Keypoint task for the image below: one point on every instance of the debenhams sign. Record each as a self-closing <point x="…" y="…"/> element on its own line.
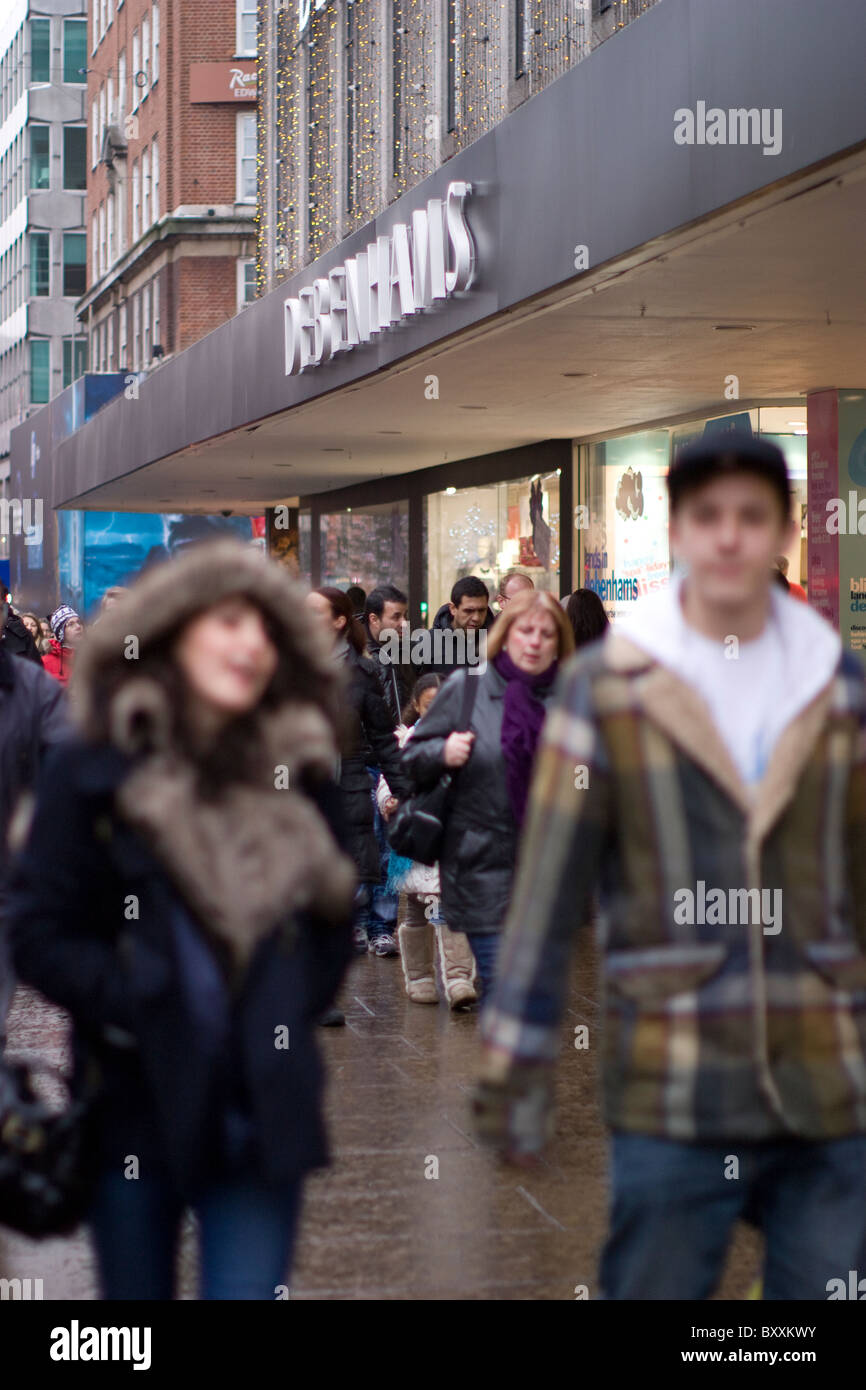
<point x="395" y="277"/>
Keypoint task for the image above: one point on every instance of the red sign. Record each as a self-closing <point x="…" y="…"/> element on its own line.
<point x="211" y="82"/>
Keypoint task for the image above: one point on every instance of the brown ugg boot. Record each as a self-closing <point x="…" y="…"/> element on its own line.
<point x="457" y="964"/>
<point x="416" y="956"/>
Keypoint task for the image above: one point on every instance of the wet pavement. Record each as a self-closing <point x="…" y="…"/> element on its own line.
<point x="375" y="1225"/>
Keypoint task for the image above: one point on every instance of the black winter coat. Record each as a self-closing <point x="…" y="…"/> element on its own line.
<point x="395" y="679"/>
<point x="479" y="853"/>
<point x="449" y="659"/>
<point x="18" y="639"/>
<point x="369" y="742"/>
<point x="122" y="984"/>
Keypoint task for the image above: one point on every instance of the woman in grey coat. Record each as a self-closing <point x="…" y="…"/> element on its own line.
<point x="493" y="764"/>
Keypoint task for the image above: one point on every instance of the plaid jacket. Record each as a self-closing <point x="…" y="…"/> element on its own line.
<point x="711" y="1030"/>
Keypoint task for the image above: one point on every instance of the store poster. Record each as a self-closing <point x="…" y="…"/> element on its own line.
<point x="851" y="509"/>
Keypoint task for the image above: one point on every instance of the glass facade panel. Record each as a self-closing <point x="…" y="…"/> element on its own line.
<point x="490" y="529"/>
<point x="40" y="267"/>
<point x="40" y="50"/>
<point x="75" y="157"/>
<point x="365" y="545"/>
<point x="40" y="149"/>
<point x="40" y="371"/>
<point x="74" y="50"/>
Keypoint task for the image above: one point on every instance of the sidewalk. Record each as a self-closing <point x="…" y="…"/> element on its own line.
<point x="375" y="1227"/>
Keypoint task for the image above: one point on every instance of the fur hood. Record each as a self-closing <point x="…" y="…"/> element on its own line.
<point x="248" y="849"/>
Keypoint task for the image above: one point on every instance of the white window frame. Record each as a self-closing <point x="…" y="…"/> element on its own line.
<point x="121" y="89"/>
<point x="145" y="190"/>
<point x="154" y="52"/>
<point x="145" y="54"/>
<point x="109" y="100"/>
<point x="122" y="340"/>
<point x="242" y="119"/>
<point x="101" y="119"/>
<point x="243" y="7"/>
<point x="94" y="246"/>
<point x="146" y="342"/>
<point x="110" y="220"/>
<point x="154" y="180"/>
<point x="136" y="334"/>
<point x="94" y="133"/>
<point x="94" y="25"/>
<point x="102" y="261"/>
<point x="155" y="292"/>
<point x="110" y="349"/>
<point x="136" y="67"/>
<point x="136" y="201"/>
<point x="242" y="281"/>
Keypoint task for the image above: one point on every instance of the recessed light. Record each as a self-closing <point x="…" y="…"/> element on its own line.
<point x="450" y="491"/>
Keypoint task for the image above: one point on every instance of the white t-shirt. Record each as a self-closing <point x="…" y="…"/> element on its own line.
<point x="743" y="683"/>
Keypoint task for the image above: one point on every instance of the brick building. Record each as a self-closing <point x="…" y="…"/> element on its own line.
<point x="171" y="182"/>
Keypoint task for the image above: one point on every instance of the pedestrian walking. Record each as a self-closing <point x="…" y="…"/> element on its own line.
<point x="705" y="765"/>
<point x="32" y="717"/>
<point x="460" y="628"/>
<point x="586" y="614"/>
<point x="423" y="928"/>
<point x="66" y="628"/>
<point x="368" y="742"/>
<point x="493" y="759"/>
<point x="182" y="894"/>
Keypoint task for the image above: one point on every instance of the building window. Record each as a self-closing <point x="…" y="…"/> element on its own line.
<point x="136" y="334"/>
<point x="94" y="25"/>
<point x="121" y="88"/>
<point x="75" y="50"/>
<point x="94" y="250"/>
<point x="102" y="238"/>
<point x="94" y="134"/>
<point x="154" y="52"/>
<point x="397" y="32"/>
<point x="109" y="230"/>
<point x="246" y="28"/>
<point x="40" y="263"/>
<point x="519" y="37"/>
<point x="74" y="359"/>
<point x="145" y="190"/>
<point x="101" y="118"/>
<point x="40" y="50"/>
<point x="246" y="283"/>
<point x="75" y="157"/>
<point x="136" y="201"/>
<point x="246" y="157"/>
<point x="109" y="351"/>
<point x="145" y="326"/>
<point x="145" y="54"/>
<point x="157" y="341"/>
<point x="154" y="181"/>
<point x="40" y="371"/>
<point x="451" y="65"/>
<point x="103" y="27"/>
<point x="136" y="65"/>
<point x="40" y="161"/>
<point x="74" y="264"/>
<point x="109" y="101"/>
<point x="121" y="337"/>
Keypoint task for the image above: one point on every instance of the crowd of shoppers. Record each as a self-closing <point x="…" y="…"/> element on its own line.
<point x="237" y="783"/>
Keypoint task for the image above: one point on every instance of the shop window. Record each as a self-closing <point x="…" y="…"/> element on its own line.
<point x="40" y="50"/>
<point x="75" y="157"/>
<point x="40" y="156"/>
<point x="486" y="531"/>
<point x="74" y="359"/>
<point x="623" y="529"/>
<point x="74" y="264"/>
<point x="40" y="263"/>
<point x="74" y="50"/>
<point x="40" y="371"/>
<point x="367" y="546"/>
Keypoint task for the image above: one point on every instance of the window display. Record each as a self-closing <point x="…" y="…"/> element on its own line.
<point x="367" y="546"/>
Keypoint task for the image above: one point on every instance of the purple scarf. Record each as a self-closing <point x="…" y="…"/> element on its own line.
<point x="522" y="718"/>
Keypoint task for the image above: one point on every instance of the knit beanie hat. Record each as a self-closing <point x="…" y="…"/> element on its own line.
<point x="58" y="620"/>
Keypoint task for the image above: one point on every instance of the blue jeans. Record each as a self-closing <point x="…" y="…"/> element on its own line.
<point x="380" y="915"/>
<point x="673" y="1210"/>
<point x="485" y="949"/>
<point x="247" y="1235"/>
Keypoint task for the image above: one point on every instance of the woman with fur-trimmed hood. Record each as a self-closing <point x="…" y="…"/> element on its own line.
<point x="182" y="894"/>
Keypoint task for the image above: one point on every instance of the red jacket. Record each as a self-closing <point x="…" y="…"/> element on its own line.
<point x="58" y="661"/>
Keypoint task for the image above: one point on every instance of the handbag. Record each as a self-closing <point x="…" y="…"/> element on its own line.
<point x="45" y="1172"/>
<point x="418" y="827"/>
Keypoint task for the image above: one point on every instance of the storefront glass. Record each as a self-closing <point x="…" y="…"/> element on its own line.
<point x="621" y="528"/>
<point x="488" y="530"/>
<point x="367" y="546"/>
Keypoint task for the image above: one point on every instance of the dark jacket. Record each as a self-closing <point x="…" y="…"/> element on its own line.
<point x="480" y="845"/>
<point x="450" y="654"/>
<point x="122" y="982"/>
<point x="18" y="639"/>
<point x="395" y="679"/>
<point x="369" y="741"/>
<point x="32" y="716"/>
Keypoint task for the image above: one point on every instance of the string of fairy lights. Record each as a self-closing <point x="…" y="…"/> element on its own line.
<point x="304" y="80"/>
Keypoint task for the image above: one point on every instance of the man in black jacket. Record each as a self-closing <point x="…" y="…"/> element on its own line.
<point x="385" y="616"/>
<point x="32" y="716"/>
<point x="456" y="630"/>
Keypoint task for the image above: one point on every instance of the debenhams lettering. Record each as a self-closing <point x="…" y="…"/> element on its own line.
<point x="397" y="276"/>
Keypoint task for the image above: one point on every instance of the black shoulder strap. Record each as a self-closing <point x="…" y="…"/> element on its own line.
<point x="470" y="690"/>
